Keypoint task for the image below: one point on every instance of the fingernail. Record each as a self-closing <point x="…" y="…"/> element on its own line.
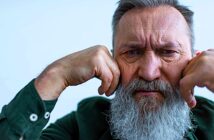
<point x="192" y="103"/>
<point x="100" y="91"/>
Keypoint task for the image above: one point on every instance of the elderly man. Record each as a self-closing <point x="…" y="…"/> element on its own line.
<point x="153" y="71"/>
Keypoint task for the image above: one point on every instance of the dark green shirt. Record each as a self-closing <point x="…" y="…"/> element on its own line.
<point x="26" y="115"/>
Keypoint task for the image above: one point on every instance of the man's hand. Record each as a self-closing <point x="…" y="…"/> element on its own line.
<point x="78" y="68"/>
<point x="199" y="72"/>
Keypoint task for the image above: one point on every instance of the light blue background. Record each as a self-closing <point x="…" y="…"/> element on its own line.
<point x="34" y="33"/>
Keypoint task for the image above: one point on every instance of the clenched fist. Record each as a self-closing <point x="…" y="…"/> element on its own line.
<point x="199" y="72"/>
<point x="76" y="69"/>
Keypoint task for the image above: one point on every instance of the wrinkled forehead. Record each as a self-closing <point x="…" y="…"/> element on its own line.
<point x="161" y="18"/>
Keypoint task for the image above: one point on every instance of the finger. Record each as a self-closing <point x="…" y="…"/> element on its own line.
<point x="191" y="65"/>
<point x="106" y="76"/>
<point x="116" y="75"/>
<point x="187" y="84"/>
<point x="111" y="63"/>
<point x="193" y="102"/>
<point x="211" y="50"/>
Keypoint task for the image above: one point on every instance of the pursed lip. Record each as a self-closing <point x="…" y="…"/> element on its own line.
<point x="142" y="92"/>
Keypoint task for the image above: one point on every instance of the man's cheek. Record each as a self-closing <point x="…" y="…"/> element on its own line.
<point x="175" y="72"/>
<point x="127" y="75"/>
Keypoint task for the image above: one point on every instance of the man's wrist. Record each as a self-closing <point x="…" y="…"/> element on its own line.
<point x="48" y="84"/>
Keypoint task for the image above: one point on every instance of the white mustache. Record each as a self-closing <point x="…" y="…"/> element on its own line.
<point x="157" y="85"/>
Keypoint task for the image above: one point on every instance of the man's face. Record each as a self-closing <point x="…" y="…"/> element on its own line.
<point x="152" y="44"/>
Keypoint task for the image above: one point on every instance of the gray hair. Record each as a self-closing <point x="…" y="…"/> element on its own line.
<point x="149" y="118"/>
<point x="126" y="5"/>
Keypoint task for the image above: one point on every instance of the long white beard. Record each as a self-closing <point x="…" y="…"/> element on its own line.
<point x="149" y="119"/>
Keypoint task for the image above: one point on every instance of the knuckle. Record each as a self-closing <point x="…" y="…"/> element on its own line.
<point x="115" y="68"/>
<point x="96" y="58"/>
<point x="211" y="50"/>
<point x="204" y="59"/>
<point x="101" y="48"/>
<point x="182" y="84"/>
<point x="100" y="52"/>
<point x="117" y="72"/>
<point x="205" y="53"/>
<point x="108" y="80"/>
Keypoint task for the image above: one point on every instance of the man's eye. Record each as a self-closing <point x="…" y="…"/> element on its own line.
<point x="168" y="52"/>
<point x="133" y="53"/>
<point x="169" y="55"/>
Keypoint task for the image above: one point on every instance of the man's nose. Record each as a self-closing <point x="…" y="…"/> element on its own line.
<point x="149" y="67"/>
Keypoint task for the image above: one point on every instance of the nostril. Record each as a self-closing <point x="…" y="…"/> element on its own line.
<point x="149" y="67"/>
<point x="149" y="74"/>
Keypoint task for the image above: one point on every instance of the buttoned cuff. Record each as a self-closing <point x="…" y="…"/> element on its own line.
<point x="27" y="110"/>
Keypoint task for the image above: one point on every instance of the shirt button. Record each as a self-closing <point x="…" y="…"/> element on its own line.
<point x="33" y="117"/>
<point x="47" y="115"/>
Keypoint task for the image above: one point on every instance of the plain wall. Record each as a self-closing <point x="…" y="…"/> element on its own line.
<point x="35" y="33"/>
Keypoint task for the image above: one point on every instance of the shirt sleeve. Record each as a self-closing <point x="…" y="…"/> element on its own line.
<point x="25" y="116"/>
<point x="203" y="119"/>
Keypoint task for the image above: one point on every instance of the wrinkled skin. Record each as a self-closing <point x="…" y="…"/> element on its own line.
<point x="150" y="44"/>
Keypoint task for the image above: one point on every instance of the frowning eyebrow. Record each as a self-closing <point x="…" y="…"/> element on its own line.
<point x="169" y="45"/>
<point x="133" y="45"/>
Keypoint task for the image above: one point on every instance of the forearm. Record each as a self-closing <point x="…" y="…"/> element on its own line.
<point x="25" y="116"/>
<point x="49" y="84"/>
